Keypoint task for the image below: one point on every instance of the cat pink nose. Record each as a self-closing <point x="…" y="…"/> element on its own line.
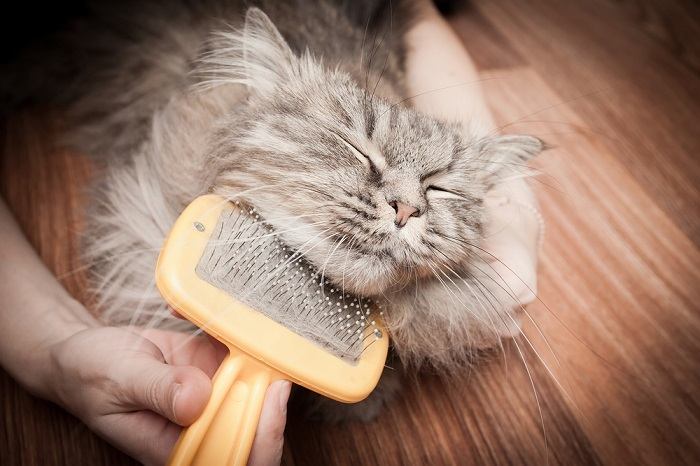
<point x="403" y="213"/>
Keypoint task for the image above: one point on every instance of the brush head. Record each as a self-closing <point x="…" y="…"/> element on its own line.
<point x="246" y="258"/>
<point x="226" y="270"/>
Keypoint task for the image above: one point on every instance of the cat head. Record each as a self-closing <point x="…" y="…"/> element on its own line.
<point x="374" y="194"/>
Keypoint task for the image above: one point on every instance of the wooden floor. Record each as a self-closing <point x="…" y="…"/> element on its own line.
<point x="614" y="87"/>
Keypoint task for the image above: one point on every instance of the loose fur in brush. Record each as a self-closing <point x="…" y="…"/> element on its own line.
<point x="297" y="108"/>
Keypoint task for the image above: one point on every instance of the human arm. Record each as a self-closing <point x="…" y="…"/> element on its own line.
<point x="134" y="388"/>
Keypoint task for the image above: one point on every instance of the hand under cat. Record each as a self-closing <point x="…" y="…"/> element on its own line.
<point x="512" y="237"/>
<point x="137" y="389"/>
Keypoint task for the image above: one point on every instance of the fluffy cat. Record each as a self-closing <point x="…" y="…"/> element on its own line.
<point x="298" y="108"/>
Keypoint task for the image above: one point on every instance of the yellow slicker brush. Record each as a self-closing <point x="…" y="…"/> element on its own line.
<point x="224" y="269"/>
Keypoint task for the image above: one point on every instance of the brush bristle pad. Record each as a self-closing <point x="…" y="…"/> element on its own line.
<point x="246" y="258"/>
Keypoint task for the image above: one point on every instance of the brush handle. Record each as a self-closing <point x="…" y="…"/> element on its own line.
<point x="224" y="433"/>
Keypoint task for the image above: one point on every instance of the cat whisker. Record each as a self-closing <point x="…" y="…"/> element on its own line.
<point x="437" y="89"/>
<point x="537" y="399"/>
<point x="267" y="235"/>
<point x="476" y="296"/>
<point x="275" y="186"/>
<point x="191" y="336"/>
<point x="330" y="254"/>
<point x="345" y="264"/>
<point x="466" y="308"/>
<point x="509" y="291"/>
<point x="527" y="369"/>
<point x="157" y="318"/>
<point x="483" y="290"/>
<point x="299" y="252"/>
<point x="511" y="294"/>
<point x="544" y="338"/>
<point x="564" y="391"/>
<point x="444" y="285"/>
<point x="362" y="56"/>
<point x="386" y="58"/>
<point x="584" y="95"/>
<point x="139" y="308"/>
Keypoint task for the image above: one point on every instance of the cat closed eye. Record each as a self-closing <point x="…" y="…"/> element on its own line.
<point x="441" y="193"/>
<point x="361" y="156"/>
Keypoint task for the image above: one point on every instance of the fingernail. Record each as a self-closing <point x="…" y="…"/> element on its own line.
<point x="283" y="393"/>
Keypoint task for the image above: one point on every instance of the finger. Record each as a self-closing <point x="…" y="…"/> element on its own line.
<point x="185" y="349"/>
<point x="178" y="393"/>
<point x="143" y="435"/>
<point x="269" y="438"/>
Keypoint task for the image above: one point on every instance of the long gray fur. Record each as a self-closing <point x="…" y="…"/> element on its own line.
<point x="263" y="105"/>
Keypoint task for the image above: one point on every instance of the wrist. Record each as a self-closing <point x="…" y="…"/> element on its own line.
<point x="39" y="371"/>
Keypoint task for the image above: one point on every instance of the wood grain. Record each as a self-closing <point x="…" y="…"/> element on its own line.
<point x="613" y="86"/>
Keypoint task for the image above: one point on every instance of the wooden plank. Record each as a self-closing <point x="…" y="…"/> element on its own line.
<point x="625" y="85"/>
<point x="619" y="278"/>
<point x="489" y="49"/>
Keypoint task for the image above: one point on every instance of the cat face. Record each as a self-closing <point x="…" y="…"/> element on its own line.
<point x="375" y="195"/>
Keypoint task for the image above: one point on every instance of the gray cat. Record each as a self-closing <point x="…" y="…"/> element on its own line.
<point x="298" y="108"/>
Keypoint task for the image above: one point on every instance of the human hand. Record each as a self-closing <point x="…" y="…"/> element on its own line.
<point x="512" y="237"/>
<point x="136" y="388"/>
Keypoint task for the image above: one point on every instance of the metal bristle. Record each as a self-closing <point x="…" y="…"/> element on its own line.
<point x="246" y="259"/>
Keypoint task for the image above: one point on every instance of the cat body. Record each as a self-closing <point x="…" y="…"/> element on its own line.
<point x="300" y="109"/>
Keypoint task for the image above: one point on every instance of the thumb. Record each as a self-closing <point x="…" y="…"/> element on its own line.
<point x="178" y="393"/>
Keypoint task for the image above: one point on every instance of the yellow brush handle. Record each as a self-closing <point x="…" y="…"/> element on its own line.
<point x="224" y="433"/>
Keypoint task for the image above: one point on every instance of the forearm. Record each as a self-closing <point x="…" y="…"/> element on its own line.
<point x="36" y="310"/>
<point x="441" y="75"/>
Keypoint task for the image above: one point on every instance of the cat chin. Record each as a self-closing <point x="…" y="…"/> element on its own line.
<point x="370" y="275"/>
<point x="364" y="276"/>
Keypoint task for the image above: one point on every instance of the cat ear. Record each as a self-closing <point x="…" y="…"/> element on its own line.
<point x="266" y="55"/>
<point x="508" y="154"/>
<point x="255" y="55"/>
